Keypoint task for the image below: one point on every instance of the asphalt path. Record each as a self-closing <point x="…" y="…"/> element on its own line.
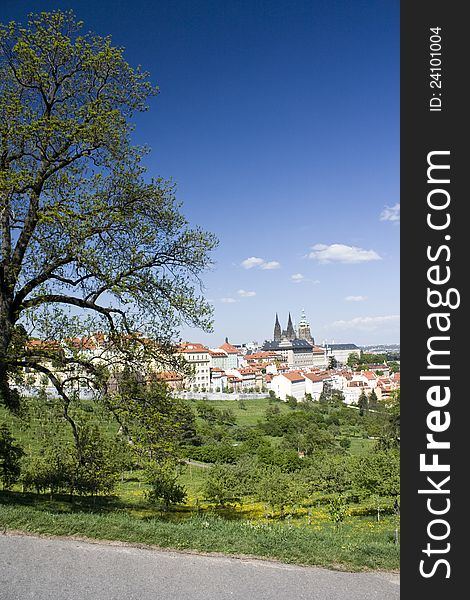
<point x="42" y="568"/>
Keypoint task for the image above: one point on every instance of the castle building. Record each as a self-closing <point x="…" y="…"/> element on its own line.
<point x="296" y="348"/>
<point x="303" y="332"/>
<point x="290" y="334"/>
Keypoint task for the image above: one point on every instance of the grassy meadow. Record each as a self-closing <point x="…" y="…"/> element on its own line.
<point x="303" y="531"/>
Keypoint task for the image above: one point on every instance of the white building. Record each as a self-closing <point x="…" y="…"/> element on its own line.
<point x="218" y="380"/>
<point x="341" y="351"/>
<point x="367" y="378"/>
<point x="234" y="355"/>
<point x="313" y="384"/>
<point x="289" y="384"/>
<point x="353" y="390"/>
<point x="199" y="358"/>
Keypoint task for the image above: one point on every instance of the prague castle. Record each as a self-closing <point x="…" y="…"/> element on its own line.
<point x="295" y="346"/>
<point x="290" y="334"/>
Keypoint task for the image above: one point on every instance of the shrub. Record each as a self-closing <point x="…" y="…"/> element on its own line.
<point x="10" y="456"/>
<point x="163" y="481"/>
<point x="279" y="489"/>
<point x="222" y="484"/>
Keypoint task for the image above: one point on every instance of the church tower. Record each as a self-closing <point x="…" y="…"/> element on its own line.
<point x="290" y="329"/>
<point x="277" y="330"/>
<point x="304" y="329"/>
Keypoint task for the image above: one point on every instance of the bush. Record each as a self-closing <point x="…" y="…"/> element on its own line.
<point x="291" y="401"/>
<point x="95" y="466"/>
<point x="90" y="468"/>
<point x="51" y="470"/>
<point x="163" y="481"/>
<point x="337" y="509"/>
<point x="279" y="489"/>
<point x="221" y="452"/>
<point x="377" y="473"/>
<point x="222" y="484"/>
<point x="10" y="456"/>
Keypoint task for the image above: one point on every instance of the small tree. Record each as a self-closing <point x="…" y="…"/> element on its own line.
<point x="10" y="457"/>
<point x="337" y="509"/>
<point x="152" y="419"/>
<point x="272" y="411"/>
<point x="353" y="360"/>
<point x="390" y="434"/>
<point x="373" y="400"/>
<point x="332" y="363"/>
<point x="291" y="401"/>
<point x="164" y="485"/>
<point x="96" y="469"/>
<point x="363" y="403"/>
<point x="52" y="469"/>
<point x="377" y="473"/>
<point x="279" y="489"/>
<point x="323" y="399"/>
<point x="221" y="485"/>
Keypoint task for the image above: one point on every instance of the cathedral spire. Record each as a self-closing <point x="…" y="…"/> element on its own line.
<point x="290" y="329"/>
<point x="277" y="330"/>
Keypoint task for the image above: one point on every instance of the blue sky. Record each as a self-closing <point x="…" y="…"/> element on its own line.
<point x="279" y="122"/>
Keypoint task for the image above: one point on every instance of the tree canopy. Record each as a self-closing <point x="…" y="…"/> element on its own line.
<point x="89" y="241"/>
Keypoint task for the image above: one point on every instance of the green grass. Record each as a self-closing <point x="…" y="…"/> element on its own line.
<point x="348" y="547"/>
<point x="360" y="446"/>
<point x="255" y="410"/>
<point x="307" y="536"/>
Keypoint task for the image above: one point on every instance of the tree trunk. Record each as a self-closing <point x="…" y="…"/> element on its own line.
<point x="8" y="398"/>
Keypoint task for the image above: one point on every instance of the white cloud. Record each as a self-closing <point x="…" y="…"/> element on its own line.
<point x="251" y="262"/>
<point x="342" y="254"/>
<point x="273" y="264"/>
<point x="228" y="300"/>
<point x="299" y="278"/>
<point x="260" y="263"/>
<point x="246" y="294"/>
<point x="391" y="213"/>
<point x="355" y="298"/>
<point x="367" y="323"/>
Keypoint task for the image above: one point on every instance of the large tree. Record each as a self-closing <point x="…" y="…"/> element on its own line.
<point x="89" y="241"/>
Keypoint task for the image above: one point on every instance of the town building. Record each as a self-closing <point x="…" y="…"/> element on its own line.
<point x="234" y="355"/>
<point x="298" y="354"/>
<point x="341" y="352"/>
<point x="289" y="384"/>
<point x="199" y="358"/>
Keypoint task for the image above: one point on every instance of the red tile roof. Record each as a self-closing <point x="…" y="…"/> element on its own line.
<point x="42" y="345"/>
<point x="314" y="378"/>
<point x="260" y="355"/>
<point x="229" y="348"/>
<point x="294" y="377"/>
<point x="169" y="376"/>
<point x="186" y="347"/>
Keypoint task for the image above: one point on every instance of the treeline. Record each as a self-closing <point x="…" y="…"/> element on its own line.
<point x="87" y="453"/>
<point x="324" y="477"/>
<point x="292" y="457"/>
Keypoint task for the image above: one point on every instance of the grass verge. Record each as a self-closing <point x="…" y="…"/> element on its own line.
<point x="344" y="548"/>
